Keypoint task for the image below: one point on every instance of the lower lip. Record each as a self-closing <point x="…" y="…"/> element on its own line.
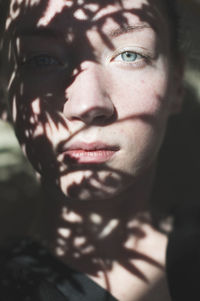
<point x="90" y="156"/>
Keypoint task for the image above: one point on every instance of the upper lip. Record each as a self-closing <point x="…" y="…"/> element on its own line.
<point x="98" y="145"/>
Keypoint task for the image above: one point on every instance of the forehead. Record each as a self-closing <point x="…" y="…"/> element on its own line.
<point x="83" y="14"/>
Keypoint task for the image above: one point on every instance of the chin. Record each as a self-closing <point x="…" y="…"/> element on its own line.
<point x="87" y="186"/>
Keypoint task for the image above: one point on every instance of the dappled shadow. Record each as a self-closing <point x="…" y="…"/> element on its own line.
<point x="37" y="112"/>
<point x="50" y="98"/>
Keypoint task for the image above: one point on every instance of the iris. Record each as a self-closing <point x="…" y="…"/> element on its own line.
<point x="129" y="56"/>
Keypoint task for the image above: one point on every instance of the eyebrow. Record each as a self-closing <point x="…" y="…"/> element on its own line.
<point x="126" y="29"/>
<point x="53" y="33"/>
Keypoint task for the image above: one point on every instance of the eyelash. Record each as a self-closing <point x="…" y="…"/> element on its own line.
<point x="41" y="61"/>
<point x="139" y="58"/>
<point x="47" y="61"/>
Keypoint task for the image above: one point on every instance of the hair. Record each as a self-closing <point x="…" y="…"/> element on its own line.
<point x="4" y="6"/>
<point x="171" y="9"/>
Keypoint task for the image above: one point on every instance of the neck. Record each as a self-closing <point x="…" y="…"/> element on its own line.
<point x="85" y="233"/>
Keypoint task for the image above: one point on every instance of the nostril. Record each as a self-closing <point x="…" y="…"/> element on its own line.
<point x="99" y="120"/>
<point x="104" y="119"/>
<point x="88" y="102"/>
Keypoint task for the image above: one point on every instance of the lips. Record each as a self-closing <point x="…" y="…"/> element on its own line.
<point x="86" y="153"/>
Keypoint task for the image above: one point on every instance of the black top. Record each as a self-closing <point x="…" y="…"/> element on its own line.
<point x="183" y="255"/>
<point x="29" y="273"/>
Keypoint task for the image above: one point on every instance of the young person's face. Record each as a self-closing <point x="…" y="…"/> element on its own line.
<point x="90" y="86"/>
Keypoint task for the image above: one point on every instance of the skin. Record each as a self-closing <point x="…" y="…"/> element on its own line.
<point x="78" y="84"/>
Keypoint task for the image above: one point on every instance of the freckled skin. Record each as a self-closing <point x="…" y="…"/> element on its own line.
<point x="102" y="73"/>
<point x="135" y="98"/>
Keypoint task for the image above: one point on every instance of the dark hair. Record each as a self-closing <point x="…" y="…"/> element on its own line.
<point x="171" y="9"/>
<point x="4" y="5"/>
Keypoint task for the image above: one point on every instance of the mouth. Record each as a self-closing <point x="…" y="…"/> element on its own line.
<point x="90" y="153"/>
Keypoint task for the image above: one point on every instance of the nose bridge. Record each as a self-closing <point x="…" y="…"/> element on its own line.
<point x="92" y="83"/>
<point x="88" y="96"/>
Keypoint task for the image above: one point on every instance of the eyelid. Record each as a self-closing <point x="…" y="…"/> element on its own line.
<point x="32" y="61"/>
<point x="38" y="55"/>
<point x="137" y="50"/>
<point x="138" y="57"/>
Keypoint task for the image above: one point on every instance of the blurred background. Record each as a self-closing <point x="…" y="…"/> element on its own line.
<point x="178" y="172"/>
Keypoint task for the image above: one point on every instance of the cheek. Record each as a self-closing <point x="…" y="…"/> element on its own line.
<point x="35" y="100"/>
<point x="141" y="139"/>
<point x="36" y="119"/>
<point x="31" y="123"/>
<point x="140" y="93"/>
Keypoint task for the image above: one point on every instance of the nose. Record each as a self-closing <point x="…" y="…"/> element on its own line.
<point x="88" y="99"/>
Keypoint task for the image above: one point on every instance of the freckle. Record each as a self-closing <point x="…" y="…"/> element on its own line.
<point x="122" y="131"/>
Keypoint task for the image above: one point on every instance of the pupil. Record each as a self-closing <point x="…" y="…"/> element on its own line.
<point x="129" y="56"/>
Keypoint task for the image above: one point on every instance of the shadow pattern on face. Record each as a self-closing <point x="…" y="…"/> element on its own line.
<point x="91" y="255"/>
<point x="51" y="98"/>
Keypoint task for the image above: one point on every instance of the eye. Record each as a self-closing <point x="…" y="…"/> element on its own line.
<point x="128" y="56"/>
<point x="41" y="61"/>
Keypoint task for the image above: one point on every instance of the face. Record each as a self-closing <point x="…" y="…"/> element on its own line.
<point x="90" y="90"/>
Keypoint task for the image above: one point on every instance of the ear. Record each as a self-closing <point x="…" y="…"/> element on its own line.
<point x="178" y="87"/>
